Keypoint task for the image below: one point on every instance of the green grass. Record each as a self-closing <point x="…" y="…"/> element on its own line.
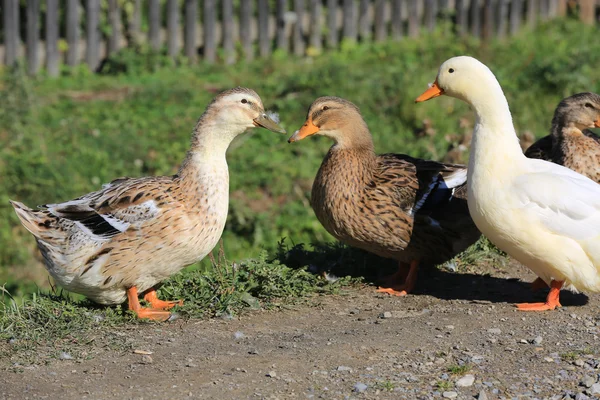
<point x="444" y="385"/>
<point x="459" y="369"/>
<point x="60" y="138"/>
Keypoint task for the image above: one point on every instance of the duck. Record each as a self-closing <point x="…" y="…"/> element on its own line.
<point x="570" y="143"/>
<point x="407" y="209"/>
<point x="121" y="241"/>
<point x="544" y="215"/>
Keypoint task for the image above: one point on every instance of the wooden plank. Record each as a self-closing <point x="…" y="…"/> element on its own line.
<point x="431" y="10"/>
<point x="552" y="8"/>
<point x="364" y="25"/>
<point x="462" y="21"/>
<point x="92" y="49"/>
<point x="516" y="15"/>
<point x="561" y="10"/>
<point x="380" y="27"/>
<point x="210" y="25"/>
<point x="72" y="23"/>
<point x="245" y="29"/>
<point x="332" y="26"/>
<point x="587" y="11"/>
<point x="502" y="18"/>
<point x="134" y="26"/>
<point x="10" y="9"/>
<point x="413" y="19"/>
<point x="52" y="53"/>
<point x="488" y="19"/>
<point x="264" y="43"/>
<point x="282" y="40"/>
<point x="33" y="36"/>
<point x="154" y="24"/>
<point x="475" y="18"/>
<point x="544" y="8"/>
<point x="532" y="12"/>
<point x="114" y="20"/>
<point x="349" y="13"/>
<point x="227" y="31"/>
<point x="298" y="33"/>
<point x="191" y="24"/>
<point x="315" y="24"/>
<point x="172" y="28"/>
<point x="396" y="22"/>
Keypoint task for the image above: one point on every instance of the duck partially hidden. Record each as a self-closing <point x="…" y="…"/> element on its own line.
<point x="570" y="143"/>
<point x="544" y="215"/>
<point x="122" y="240"/>
<point x="392" y="205"/>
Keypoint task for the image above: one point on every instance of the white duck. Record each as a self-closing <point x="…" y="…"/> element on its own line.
<point x="544" y="215"/>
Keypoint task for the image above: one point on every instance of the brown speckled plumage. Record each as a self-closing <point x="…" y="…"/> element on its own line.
<point x="136" y="232"/>
<point x="392" y="205"/>
<point x="570" y="143"/>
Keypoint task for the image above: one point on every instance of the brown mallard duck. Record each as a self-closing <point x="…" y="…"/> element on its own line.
<point x="393" y="205"/>
<point x="570" y="143"/>
<point x="122" y="240"/>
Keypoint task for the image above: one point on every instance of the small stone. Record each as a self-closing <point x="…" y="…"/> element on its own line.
<point x="581" y="396"/>
<point x="523" y="341"/>
<point x="588" y="381"/>
<point x="450" y="395"/>
<point x="594" y="389"/>
<point x="482" y="395"/>
<point x="344" y="368"/>
<point x="548" y="359"/>
<point x="385" y="315"/>
<point x="449" y="327"/>
<point x="494" y="331"/>
<point x="65" y="356"/>
<point x="190" y="364"/>
<point x="537" y="340"/>
<point x="146" y="359"/>
<point x="239" y="335"/>
<point x="579" y="362"/>
<point x="465" y="381"/>
<point x="360" y="387"/>
<point x="271" y="374"/>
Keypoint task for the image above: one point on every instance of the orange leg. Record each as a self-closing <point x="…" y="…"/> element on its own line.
<point x="156" y="303"/>
<point x="397" y="289"/>
<point x="150" y="313"/>
<point x="538" y="284"/>
<point x="551" y="301"/>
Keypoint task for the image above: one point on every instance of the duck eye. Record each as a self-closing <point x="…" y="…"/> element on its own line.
<point x="451" y="70"/>
<point x="244" y="101"/>
<point x="325" y="108"/>
<point x="589" y="105"/>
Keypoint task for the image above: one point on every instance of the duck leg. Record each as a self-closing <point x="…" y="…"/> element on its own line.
<point x="551" y="301"/>
<point x="150" y="313"/>
<point x="158" y="304"/>
<point x="402" y="289"/>
<point x="538" y="284"/>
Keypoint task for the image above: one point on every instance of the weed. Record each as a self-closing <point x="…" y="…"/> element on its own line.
<point x="459" y="369"/>
<point x="444" y="385"/>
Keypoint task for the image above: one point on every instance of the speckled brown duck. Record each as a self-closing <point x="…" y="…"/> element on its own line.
<point x="570" y="143"/>
<point x="393" y="205"/>
<point x="124" y="239"/>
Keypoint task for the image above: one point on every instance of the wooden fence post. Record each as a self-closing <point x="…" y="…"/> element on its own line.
<point x="298" y="33"/>
<point x="430" y="14"/>
<point x="380" y="28"/>
<point x="461" y="17"/>
<point x="191" y="21"/>
<point x="516" y="15"/>
<point x="210" y="15"/>
<point x="587" y="11"/>
<point x="532" y="12"/>
<point x="33" y="36"/>
<point x="315" y="25"/>
<point x="332" y="37"/>
<point x="282" y="40"/>
<point x="10" y="9"/>
<point x="72" y="32"/>
<point x="413" y="19"/>
<point x="501" y="18"/>
<point x="154" y="24"/>
<point x="92" y="34"/>
<point x="488" y="19"/>
<point x="364" y="27"/>
<point x="264" y="43"/>
<point x="114" y="19"/>
<point x="227" y="31"/>
<point x="172" y="28"/>
<point x="349" y="28"/>
<point x="475" y="19"/>
<point x="52" y="53"/>
<point x="134" y="25"/>
<point x="246" y="29"/>
<point x="396" y="19"/>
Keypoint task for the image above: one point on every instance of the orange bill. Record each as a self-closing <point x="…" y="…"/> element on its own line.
<point x="597" y="123"/>
<point x="307" y="129"/>
<point x="433" y="91"/>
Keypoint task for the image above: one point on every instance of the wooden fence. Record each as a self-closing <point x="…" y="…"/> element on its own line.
<point x="87" y="31"/>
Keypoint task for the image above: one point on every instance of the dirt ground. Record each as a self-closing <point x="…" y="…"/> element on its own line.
<point x="363" y="345"/>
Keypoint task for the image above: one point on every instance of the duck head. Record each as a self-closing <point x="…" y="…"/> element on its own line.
<point x="581" y="110"/>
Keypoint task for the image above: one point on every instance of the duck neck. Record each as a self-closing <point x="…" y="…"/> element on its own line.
<point x="495" y="145"/>
<point x="206" y="156"/>
<point x="352" y="154"/>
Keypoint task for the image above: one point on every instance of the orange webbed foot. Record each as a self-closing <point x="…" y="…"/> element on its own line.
<point x="151" y="313"/>
<point x="551" y="302"/>
<point x="399" y="291"/>
<point x="396" y="289"/>
<point x="147" y="313"/>
<point x="158" y="304"/>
